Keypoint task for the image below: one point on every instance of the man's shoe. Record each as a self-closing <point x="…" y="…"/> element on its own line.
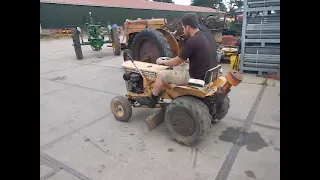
<point x="147" y="101"/>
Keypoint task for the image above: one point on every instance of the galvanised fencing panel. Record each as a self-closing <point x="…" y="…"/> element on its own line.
<point x="261" y="36"/>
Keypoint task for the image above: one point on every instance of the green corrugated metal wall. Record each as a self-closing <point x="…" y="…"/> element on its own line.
<point x="60" y="15"/>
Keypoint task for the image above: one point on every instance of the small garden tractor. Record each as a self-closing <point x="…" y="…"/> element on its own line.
<point x="95" y="38"/>
<point x="188" y="110"/>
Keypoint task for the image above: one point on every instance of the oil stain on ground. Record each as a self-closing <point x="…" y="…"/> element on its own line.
<point x="253" y="141"/>
<point x="276" y="148"/>
<point x="101" y="168"/>
<point x="250" y="174"/>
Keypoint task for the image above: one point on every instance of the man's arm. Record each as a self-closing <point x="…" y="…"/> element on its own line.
<point x="173" y="62"/>
<point x="187" y="50"/>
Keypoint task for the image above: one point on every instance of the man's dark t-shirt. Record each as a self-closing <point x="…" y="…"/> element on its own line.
<point x="201" y="50"/>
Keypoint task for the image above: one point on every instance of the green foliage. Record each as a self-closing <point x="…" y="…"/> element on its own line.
<point x="236" y="3"/>
<point x="216" y="4"/>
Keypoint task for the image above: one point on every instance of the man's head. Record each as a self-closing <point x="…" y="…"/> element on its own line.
<point x="190" y="23"/>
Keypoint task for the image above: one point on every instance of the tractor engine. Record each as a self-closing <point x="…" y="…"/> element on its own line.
<point x="134" y="82"/>
<point x="94" y="32"/>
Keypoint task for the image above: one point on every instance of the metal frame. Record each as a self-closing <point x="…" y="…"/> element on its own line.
<point x="260" y="44"/>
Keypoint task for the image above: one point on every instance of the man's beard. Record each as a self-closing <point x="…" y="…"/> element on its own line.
<point x="187" y="35"/>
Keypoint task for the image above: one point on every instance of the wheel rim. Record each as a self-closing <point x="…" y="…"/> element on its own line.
<point x="183" y="123"/>
<point x="118" y="110"/>
<point x="147" y="51"/>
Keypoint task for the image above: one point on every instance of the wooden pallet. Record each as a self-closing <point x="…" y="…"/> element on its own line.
<point x="63" y="32"/>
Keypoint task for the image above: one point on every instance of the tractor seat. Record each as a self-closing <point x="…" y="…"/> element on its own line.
<point x="210" y="76"/>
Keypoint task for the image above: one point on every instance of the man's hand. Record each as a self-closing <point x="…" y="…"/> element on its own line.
<point x="169" y="61"/>
<point x="161" y="60"/>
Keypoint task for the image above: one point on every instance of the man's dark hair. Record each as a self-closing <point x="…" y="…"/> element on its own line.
<point x="190" y="19"/>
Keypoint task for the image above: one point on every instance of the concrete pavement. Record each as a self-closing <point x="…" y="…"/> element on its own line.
<point x="80" y="139"/>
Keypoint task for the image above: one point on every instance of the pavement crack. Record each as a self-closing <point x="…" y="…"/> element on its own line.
<point x="195" y="158"/>
<point x="206" y="153"/>
<point x="266" y="126"/>
<point x="96" y="145"/>
<point x="50" y="174"/>
<point x="55" y="91"/>
<point x="79" y="86"/>
<point x="51" y="143"/>
<point x="233" y="153"/>
<point x="106" y="66"/>
<point x="255" y="123"/>
<point x="108" y="75"/>
<point x="63" y="166"/>
<point x="59" y="78"/>
<point x="62" y="69"/>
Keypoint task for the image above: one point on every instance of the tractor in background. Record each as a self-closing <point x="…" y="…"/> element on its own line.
<point x="96" y="38"/>
<point x="148" y="39"/>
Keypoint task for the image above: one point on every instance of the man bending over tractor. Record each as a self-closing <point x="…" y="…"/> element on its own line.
<point x="200" y="49"/>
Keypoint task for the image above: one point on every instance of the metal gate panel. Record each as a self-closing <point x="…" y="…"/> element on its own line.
<point x="260" y="43"/>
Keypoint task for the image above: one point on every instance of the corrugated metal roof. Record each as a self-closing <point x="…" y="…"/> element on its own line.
<point x="134" y="4"/>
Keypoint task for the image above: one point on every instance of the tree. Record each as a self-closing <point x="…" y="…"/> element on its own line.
<point x="216" y="4"/>
<point x="236" y="3"/>
<point x="165" y="1"/>
<point x="222" y="7"/>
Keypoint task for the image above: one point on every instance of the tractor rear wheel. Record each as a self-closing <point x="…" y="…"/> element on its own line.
<point x="76" y="43"/>
<point x="149" y="44"/>
<point x="204" y="29"/>
<point x="116" y="45"/>
<point x="121" y="108"/>
<point x="188" y="120"/>
<point x="223" y="108"/>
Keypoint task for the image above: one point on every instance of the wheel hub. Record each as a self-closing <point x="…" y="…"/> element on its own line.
<point x="119" y="111"/>
<point x="147" y="47"/>
<point x="234" y="78"/>
<point x="237" y="75"/>
<point x="183" y="123"/>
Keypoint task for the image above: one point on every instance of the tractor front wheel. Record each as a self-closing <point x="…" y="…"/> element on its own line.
<point x="116" y="45"/>
<point x="121" y="108"/>
<point x="76" y="43"/>
<point x="188" y="120"/>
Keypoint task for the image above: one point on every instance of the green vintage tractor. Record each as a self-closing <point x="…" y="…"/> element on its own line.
<point x="95" y="38"/>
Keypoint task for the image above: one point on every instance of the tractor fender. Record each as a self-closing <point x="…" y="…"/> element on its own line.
<point x="178" y="91"/>
<point x="221" y="81"/>
<point x="174" y="46"/>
